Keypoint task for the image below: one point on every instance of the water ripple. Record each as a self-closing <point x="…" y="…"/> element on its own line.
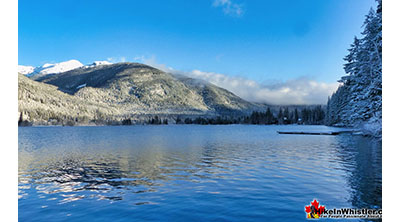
<point x="231" y="173"/>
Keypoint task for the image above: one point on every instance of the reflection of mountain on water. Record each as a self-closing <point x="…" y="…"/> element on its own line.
<point x="75" y="175"/>
<point x="362" y="157"/>
<point x="240" y="170"/>
<point x="96" y="178"/>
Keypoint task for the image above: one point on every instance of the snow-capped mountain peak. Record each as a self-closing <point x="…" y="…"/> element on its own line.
<point x="58" y="67"/>
<point x="25" y="70"/>
<point x="47" y="65"/>
<point x="99" y="63"/>
<point x="49" y="68"/>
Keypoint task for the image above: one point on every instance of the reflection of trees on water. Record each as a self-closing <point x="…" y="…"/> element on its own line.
<point x="100" y="175"/>
<point x="362" y="159"/>
<point x="105" y="175"/>
<point x="108" y="170"/>
<point x="106" y="178"/>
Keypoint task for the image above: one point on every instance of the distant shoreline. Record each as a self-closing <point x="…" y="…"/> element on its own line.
<point x="359" y="131"/>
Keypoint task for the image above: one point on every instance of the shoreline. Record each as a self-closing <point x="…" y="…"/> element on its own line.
<point x="356" y="131"/>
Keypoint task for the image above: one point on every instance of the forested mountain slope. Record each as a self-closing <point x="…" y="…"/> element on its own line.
<point x="113" y="93"/>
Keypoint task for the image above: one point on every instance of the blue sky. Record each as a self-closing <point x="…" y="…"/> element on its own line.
<point x="260" y="40"/>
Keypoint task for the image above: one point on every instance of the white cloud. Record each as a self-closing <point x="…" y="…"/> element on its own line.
<point x="302" y="90"/>
<point x="229" y="7"/>
<point x="151" y="61"/>
<point x="299" y="91"/>
<point x="116" y="59"/>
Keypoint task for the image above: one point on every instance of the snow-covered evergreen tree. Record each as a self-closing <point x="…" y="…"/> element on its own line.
<point x="358" y="100"/>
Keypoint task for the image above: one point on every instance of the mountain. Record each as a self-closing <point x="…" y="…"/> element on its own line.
<point x="49" y="68"/>
<point x="46" y="69"/>
<point x="99" y="63"/>
<point x="25" y="70"/>
<point x="44" y="104"/>
<point x="116" y="92"/>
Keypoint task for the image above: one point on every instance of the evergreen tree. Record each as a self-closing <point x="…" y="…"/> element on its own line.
<point x="286" y="116"/>
<point x="296" y="116"/>
<point x="280" y="116"/>
<point x="359" y="97"/>
<point x="269" y="116"/>
<point x="178" y="120"/>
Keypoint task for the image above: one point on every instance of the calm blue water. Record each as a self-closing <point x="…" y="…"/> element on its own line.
<point x="191" y="173"/>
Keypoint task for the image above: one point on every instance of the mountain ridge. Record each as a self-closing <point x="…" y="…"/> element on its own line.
<point x="55" y="68"/>
<point x="121" y="91"/>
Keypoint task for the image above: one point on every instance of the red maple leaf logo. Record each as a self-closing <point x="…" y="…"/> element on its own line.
<point x="315" y="208"/>
<point x="308" y="209"/>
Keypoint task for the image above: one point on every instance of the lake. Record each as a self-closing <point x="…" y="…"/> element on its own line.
<point x="192" y="173"/>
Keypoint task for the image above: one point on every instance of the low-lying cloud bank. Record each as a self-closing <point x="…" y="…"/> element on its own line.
<point x="299" y="91"/>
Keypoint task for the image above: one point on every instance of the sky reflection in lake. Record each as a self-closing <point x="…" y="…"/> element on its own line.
<point x="181" y="173"/>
